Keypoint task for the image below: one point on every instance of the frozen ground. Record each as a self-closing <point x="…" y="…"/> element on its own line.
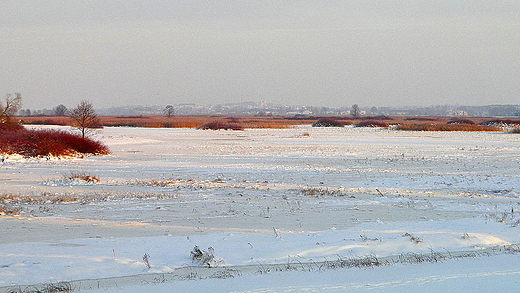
<point x="417" y="211"/>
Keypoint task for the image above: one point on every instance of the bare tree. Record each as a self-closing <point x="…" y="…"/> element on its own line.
<point x="355" y="110"/>
<point x="84" y="118"/>
<point x="169" y="111"/>
<point x="13" y="103"/>
<point x="60" y="110"/>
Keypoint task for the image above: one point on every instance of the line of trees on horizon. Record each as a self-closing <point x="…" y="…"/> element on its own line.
<point x="264" y="109"/>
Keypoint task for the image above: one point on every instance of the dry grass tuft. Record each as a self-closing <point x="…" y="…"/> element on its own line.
<point x="62" y="287"/>
<point x="6" y="210"/>
<point x="39" y="199"/>
<point x="10" y="199"/>
<point x="81" y="176"/>
<point x="413" y="238"/>
<point x="319" y="191"/>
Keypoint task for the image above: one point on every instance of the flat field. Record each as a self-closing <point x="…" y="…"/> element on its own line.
<point x="284" y="210"/>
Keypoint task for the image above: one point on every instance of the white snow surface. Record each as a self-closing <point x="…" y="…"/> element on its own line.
<point x="293" y="198"/>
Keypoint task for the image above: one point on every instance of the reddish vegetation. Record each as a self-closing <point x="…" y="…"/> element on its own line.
<point x="243" y="121"/>
<point x="16" y="139"/>
<point x="181" y="121"/>
<point x="461" y="121"/>
<point x="328" y="122"/>
<point x="371" y="123"/>
<point x="220" y="125"/>
<point x="446" y="127"/>
<point x="421" y="119"/>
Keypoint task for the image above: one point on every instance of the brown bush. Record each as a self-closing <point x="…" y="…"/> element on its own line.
<point x="371" y="123"/>
<point x="220" y="125"/>
<point x="81" y="176"/>
<point x="37" y="143"/>
<point x="328" y="122"/>
<point x="461" y="121"/>
<point x="47" y="121"/>
<point x="420" y="119"/>
<point x="381" y="117"/>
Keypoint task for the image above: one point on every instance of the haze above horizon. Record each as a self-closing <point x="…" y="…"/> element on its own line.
<point x="331" y="53"/>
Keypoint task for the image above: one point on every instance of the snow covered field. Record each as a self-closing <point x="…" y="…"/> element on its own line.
<point x="282" y="209"/>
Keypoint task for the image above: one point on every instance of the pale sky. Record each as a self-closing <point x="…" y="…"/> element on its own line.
<point x="309" y="52"/>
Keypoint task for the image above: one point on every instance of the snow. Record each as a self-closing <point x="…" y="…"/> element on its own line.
<point x="380" y="193"/>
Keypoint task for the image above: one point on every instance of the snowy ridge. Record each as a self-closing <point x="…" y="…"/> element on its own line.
<point x="225" y="272"/>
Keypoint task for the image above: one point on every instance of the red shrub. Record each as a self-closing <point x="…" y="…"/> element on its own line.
<point x="219" y="125"/>
<point x="460" y="121"/>
<point x="371" y="123"/>
<point x="381" y="117"/>
<point x="47" y="121"/>
<point x="10" y="127"/>
<point x="328" y="122"/>
<point x="421" y="119"/>
<point x="33" y="143"/>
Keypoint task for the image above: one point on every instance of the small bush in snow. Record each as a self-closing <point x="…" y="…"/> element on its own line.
<point x="328" y="122"/>
<point x="88" y="178"/>
<point x="58" y="287"/>
<point x="45" y="288"/>
<point x="146" y="260"/>
<point x="203" y="257"/>
<point x="413" y="238"/>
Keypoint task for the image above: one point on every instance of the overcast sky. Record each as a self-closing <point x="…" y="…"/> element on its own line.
<point x="310" y="52"/>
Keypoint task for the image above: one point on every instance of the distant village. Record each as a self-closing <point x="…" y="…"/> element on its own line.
<point x="271" y="109"/>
